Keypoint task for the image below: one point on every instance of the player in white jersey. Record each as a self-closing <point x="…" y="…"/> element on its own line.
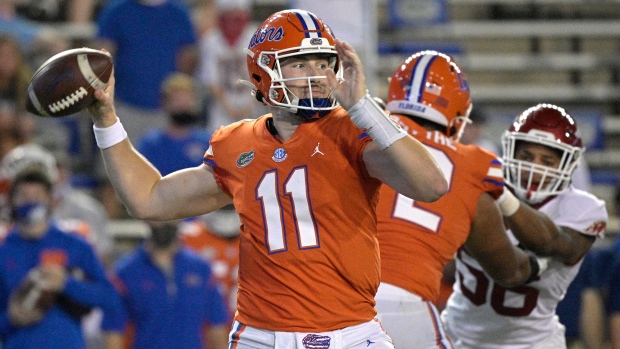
<point x="553" y="219"/>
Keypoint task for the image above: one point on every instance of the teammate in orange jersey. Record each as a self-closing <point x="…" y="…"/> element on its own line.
<point x="429" y="97"/>
<point x="305" y="181"/>
<point x="215" y="237"/>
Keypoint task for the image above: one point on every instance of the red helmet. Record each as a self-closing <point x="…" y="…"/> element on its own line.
<point x="285" y="34"/>
<point x="430" y="85"/>
<point x="551" y="126"/>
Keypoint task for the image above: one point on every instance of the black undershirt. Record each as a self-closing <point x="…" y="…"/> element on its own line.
<point x="271" y="127"/>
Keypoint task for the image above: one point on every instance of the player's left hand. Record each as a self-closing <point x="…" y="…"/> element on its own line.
<point x="353" y="88"/>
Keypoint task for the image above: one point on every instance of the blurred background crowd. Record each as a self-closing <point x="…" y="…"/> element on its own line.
<point x="178" y="64"/>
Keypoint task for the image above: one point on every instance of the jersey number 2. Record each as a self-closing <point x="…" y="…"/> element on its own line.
<point x="405" y="208"/>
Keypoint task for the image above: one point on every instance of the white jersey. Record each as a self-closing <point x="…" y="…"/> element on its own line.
<point x="482" y="314"/>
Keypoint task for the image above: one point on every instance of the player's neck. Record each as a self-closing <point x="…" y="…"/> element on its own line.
<point x="163" y="257"/>
<point x="284" y="124"/>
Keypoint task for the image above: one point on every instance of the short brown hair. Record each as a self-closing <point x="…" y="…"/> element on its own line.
<point x="177" y="81"/>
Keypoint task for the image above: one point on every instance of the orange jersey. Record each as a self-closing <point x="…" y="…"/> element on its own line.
<point x="417" y="239"/>
<point x="309" y="256"/>
<point x="221" y="253"/>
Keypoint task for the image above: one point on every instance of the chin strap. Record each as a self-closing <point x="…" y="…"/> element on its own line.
<point x="309" y="114"/>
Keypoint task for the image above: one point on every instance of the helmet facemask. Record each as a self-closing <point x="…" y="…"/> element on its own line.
<point x="457" y="125"/>
<point x="533" y="183"/>
<point x="281" y="96"/>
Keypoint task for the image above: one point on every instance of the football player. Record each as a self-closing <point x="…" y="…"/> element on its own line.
<point x="429" y="96"/>
<point x="305" y="181"/>
<point x="541" y="150"/>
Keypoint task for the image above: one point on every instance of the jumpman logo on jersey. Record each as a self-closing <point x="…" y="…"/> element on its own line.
<point x="369" y="342"/>
<point x="317" y="151"/>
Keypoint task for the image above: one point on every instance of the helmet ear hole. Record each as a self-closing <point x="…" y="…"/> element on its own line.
<point x="259" y="96"/>
<point x="256" y="77"/>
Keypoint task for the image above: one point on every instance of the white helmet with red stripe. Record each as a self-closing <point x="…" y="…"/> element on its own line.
<point x="552" y="127"/>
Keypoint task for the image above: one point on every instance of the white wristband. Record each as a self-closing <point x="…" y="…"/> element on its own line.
<point x="368" y="115"/>
<point x="109" y="136"/>
<point x="508" y="203"/>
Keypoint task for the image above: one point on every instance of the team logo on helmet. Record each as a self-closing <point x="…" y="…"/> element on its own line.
<point x="271" y="34"/>
<point x="315" y="341"/>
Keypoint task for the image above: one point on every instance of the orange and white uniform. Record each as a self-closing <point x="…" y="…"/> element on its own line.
<point x="221" y="253"/>
<point x="417" y="239"/>
<point x="309" y="257"/>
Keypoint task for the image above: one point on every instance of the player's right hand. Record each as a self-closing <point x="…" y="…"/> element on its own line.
<point x="102" y="110"/>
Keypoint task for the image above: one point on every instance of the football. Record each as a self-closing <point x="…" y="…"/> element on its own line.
<point x="32" y="294"/>
<point x="65" y="83"/>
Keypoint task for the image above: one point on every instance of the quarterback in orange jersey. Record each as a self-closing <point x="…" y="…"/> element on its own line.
<point x="305" y="181"/>
<point x="429" y="97"/>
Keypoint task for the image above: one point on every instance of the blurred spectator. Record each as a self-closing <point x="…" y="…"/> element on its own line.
<point x="16" y="125"/>
<point x="223" y="62"/>
<point x="215" y="237"/>
<point x="62" y="262"/>
<point x="15" y="128"/>
<point x="474" y="132"/>
<point x="170" y="297"/>
<point x="74" y="11"/>
<point x="181" y="143"/>
<point x="18" y="159"/>
<point x="15" y="74"/>
<point x="76" y="205"/>
<point x="13" y="24"/>
<point x="583" y="301"/>
<point x="614" y="300"/>
<point x="149" y="40"/>
<point x="204" y="15"/>
<point x="72" y="207"/>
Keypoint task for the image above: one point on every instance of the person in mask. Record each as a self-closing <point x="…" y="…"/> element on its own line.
<point x="215" y="237"/>
<point x="222" y="63"/>
<point x="149" y="40"/>
<point x="170" y="297"/>
<point x="65" y="264"/>
<point x="182" y="142"/>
